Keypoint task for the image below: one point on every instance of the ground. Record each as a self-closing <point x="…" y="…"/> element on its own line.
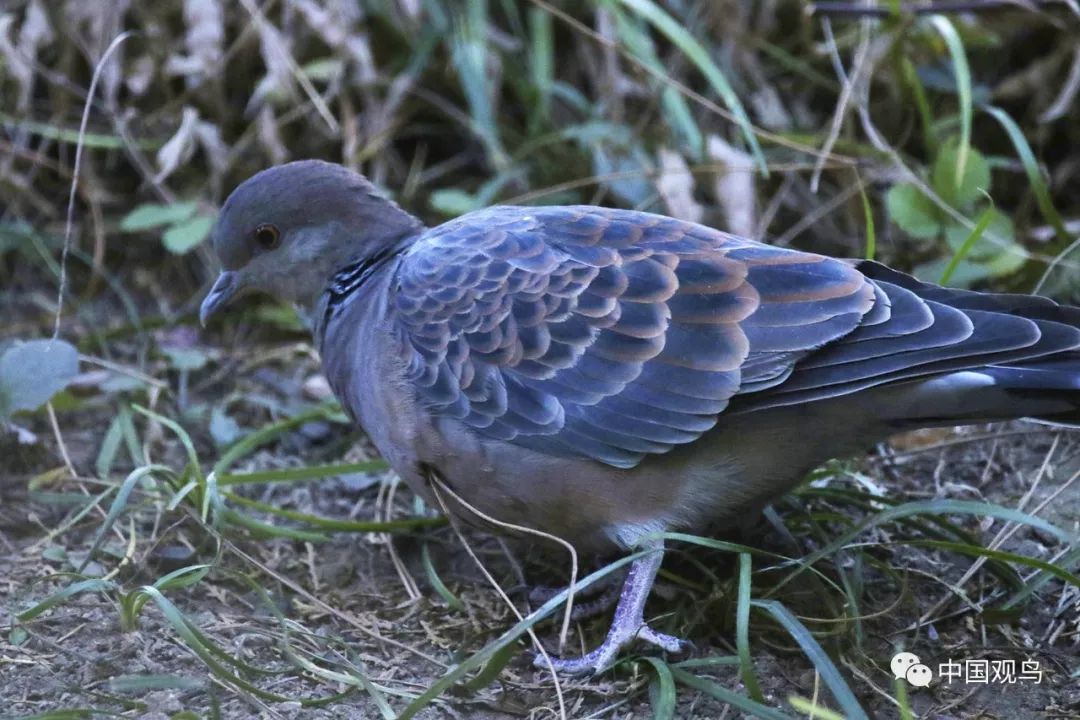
<point x="363" y="605"/>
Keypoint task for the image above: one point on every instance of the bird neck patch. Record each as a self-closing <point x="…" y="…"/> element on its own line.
<point x="348" y="279"/>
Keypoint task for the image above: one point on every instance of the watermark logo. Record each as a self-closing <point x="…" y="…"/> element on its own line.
<point x="907" y="666"/>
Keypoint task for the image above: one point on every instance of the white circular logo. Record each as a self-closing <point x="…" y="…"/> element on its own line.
<point x="919" y="675"/>
<point x="901" y="662"/>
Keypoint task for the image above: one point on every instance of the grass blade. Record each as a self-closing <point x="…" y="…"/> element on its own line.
<point x="868" y="218"/>
<point x="962" y="72"/>
<point x="311" y="472"/>
<point x="985" y="218"/>
<point x="452" y="600"/>
<point x="1031" y="168"/>
<point x="822" y="662"/>
<point x="263" y="435"/>
<point x="699" y="56"/>
<point x="181" y="433"/>
<point x="662" y="693"/>
<point x="489" y="651"/>
<point x="63" y="594"/>
<point x="118" y="505"/>
<point x="721" y="693"/>
<point x="742" y="630"/>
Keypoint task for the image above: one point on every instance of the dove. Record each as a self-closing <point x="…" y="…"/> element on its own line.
<point x="605" y="376"/>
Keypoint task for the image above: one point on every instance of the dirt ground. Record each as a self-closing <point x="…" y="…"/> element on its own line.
<point x="364" y="601"/>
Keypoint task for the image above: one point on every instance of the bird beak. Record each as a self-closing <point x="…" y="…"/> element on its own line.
<point x="225" y="289"/>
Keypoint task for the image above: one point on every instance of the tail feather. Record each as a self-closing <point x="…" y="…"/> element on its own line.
<point x="1044" y="385"/>
<point x="1054" y="383"/>
<point x="939" y="356"/>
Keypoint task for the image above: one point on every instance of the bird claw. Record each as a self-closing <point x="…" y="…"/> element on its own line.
<point x="603" y="657"/>
<point x="628" y="624"/>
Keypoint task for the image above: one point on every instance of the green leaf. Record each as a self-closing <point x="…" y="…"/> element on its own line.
<point x="18" y="636"/>
<point x="711" y="687"/>
<point x="187" y="235"/>
<point x="63" y="594"/>
<point x="152" y="215"/>
<point x="1006" y="262"/>
<point x="915" y="213"/>
<point x="742" y="630"/>
<point x="813" y="710"/>
<point x="324" y="70"/>
<point x="541" y="58"/>
<point x="453" y="202"/>
<point x="662" y="693"/>
<point x="868" y="217"/>
<point x="625" y="171"/>
<point x="963" y="276"/>
<point x="469" y="52"/>
<point x="54" y="554"/>
<point x="965" y="188"/>
<point x="223" y="428"/>
<point x="984" y="259"/>
<point x="281" y="316"/>
<point x="824" y="665"/>
<point x="32" y="372"/>
<point x="186" y="358"/>
<point x="680" y="119"/>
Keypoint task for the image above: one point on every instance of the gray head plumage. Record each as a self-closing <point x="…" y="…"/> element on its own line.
<point x="286" y="230"/>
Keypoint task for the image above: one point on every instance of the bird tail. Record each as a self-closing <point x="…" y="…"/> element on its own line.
<point x="1042" y="382"/>
<point x="1049" y="387"/>
<point x="1046" y="389"/>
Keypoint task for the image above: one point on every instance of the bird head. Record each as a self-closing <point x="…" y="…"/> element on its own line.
<point x="288" y="229"/>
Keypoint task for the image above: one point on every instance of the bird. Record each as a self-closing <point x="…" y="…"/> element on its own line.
<point x="605" y="376"/>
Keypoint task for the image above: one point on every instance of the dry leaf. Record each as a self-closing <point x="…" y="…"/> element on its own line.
<point x="333" y="24"/>
<point x="204" y="41"/>
<point x="140" y="75"/>
<point x="1066" y="98"/>
<point x="275" y="54"/>
<point x="205" y="37"/>
<point x="269" y="137"/>
<point x="19" y="56"/>
<point x="100" y="23"/>
<point x="734" y="186"/>
<point x="179" y="148"/>
<point x="217" y="152"/>
<point x="676" y="186"/>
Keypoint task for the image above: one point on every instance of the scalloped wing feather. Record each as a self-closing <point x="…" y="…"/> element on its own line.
<point x="609" y="334"/>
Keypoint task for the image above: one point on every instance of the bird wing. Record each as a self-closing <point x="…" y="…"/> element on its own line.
<point x="613" y="335"/>
<point x="928" y="330"/>
<point x="608" y="334"/>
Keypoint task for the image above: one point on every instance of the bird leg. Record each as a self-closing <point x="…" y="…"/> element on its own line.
<point x="591" y="601"/>
<point x="628" y="624"/>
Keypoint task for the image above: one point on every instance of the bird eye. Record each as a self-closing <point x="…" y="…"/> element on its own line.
<point x="268" y="236"/>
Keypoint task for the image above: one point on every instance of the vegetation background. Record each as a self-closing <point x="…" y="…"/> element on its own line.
<point x="189" y="527"/>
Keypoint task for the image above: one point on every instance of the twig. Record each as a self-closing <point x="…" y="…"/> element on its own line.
<point x="75" y="175"/>
<point x="298" y="74"/>
<point x="530" y="531"/>
<point x="60" y="440"/>
<point x="436" y="486"/>
<point x="848" y="82"/>
<point x="941" y="6"/>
